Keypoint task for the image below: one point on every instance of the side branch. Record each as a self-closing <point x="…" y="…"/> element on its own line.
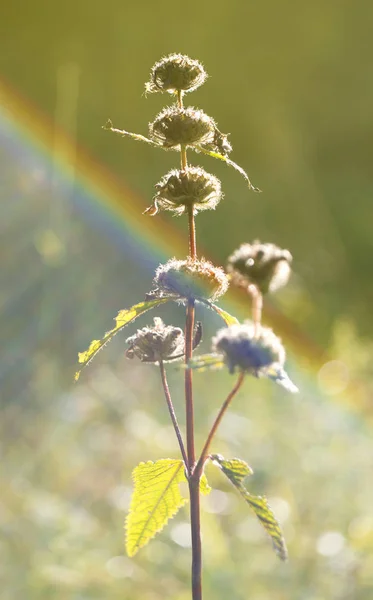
<point x="171" y="410"/>
<point x="257" y="306"/>
<point x="201" y="461"/>
<point x="135" y="136"/>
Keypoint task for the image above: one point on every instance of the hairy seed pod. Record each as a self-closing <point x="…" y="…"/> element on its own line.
<point x="242" y="349"/>
<point x="189" y="279"/>
<point x="265" y="265"/>
<point x="192" y="188"/>
<point x="176" y="73"/>
<point x="160" y="342"/>
<point x="176" y="126"/>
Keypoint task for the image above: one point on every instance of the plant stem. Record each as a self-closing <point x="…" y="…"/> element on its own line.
<point x="194" y="495"/>
<point x="257" y="307"/>
<point x="196" y="538"/>
<point x="201" y="461"/>
<point x="192" y="234"/>
<point x="195" y="523"/>
<point x="180" y="98"/>
<point x="193" y="480"/>
<point x="189" y="326"/>
<point x="172" y="412"/>
<point x="183" y="156"/>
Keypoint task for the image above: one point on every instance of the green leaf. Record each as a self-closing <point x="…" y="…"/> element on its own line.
<point x="229" y="162"/>
<point x="155" y="500"/>
<point x="204" y="487"/>
<point x="205" y="361"/>
<point x="263" y="511"/>
<point x="236" y="471"/>
<point x="229" y="319"/>
<point x="124" y="317"/>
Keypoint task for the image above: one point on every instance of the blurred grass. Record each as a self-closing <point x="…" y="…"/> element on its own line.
<point x="293" y="85"/>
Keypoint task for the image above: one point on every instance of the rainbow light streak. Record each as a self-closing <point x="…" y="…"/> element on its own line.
<point x="98" y="195"/>
<point x="30" y="138"/>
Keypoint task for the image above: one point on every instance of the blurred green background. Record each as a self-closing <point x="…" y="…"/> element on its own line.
<point x="292" y="82"/>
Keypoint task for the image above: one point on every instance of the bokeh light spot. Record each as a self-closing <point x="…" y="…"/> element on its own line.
<point x="217" y="502"/>
<point x="180" y="534"/>
<point x="50" y="247"/>
<point x="281" y="508"/>
<point x="119" y="567"/>
<point x="330" y="543"/>
<point x="333" y="377"/>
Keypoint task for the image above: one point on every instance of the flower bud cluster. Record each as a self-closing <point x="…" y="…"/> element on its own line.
<point x="158" y="343"/>
<point x="176" y="73"/>
<point x="175" y="127"/>
<point x="190" y="189"/>
<point x="189" y="280"/>
<point x="264" y="265"/>
<point x="245" y="350"/>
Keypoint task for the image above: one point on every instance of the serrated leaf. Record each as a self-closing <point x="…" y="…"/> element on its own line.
<point x="204" y="487"/>
<point x="123" y="318"/>
<point x="236" y="470"/>
<point x="155" y="500"/>
<point x="265" y="514"/>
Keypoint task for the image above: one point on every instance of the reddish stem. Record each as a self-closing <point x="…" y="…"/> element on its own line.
<point x="189" y="408"/>
<point x="196" y="538"/>
<point x="192" y="234"/>
<point x="189" y="327"/>
<point x="193" y="481"/>
<point x="202" y="459"/>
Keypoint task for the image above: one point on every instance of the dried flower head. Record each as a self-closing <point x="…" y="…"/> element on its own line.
<point x="242" y="349"/>
<point x="176" y="126"/>
<point x="160" y="342"/>
<point x="239" y="346"/>
<point x="265" y="265"/>
<point x="174" y="73"/>
<point x="189" y="279"/>
<point x="192" y="188"/>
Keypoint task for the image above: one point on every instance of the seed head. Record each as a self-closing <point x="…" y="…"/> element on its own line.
<point x="242" y="349"/>
<point x="174" y="73"/>
<point x="189" y="279"/>
<point x="176" y="126"/>
<point x="160" y="342"/>
<point x="178" y="191"/>
<point x="265" y="265"/>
